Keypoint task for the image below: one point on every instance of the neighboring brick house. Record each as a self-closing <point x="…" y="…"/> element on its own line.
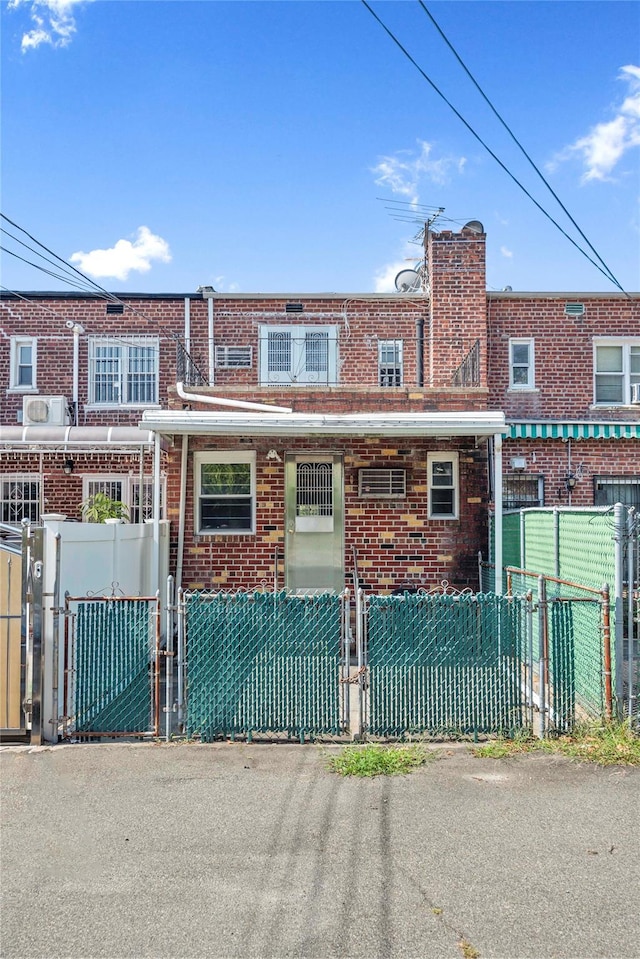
<point x="390" y="458"/>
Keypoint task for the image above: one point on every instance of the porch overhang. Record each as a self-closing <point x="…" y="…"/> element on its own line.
<point x="192" y="423"/>
<point x="118" y="439"/>
<point x="568" y="430"/>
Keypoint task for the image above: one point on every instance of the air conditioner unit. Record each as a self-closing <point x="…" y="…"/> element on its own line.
<point x="45" y="411"/>
<point x="635" y="392"/>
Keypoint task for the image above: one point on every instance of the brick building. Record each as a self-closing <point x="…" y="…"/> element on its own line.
<point x="292" y="439"/>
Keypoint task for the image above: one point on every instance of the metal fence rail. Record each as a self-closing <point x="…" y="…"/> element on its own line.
<point x="444" y="663"/>
<point x="112" y="666"/>
<point x="259" y="662"/>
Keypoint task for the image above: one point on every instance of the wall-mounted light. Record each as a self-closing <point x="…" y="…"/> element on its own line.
<point x="571" y="481"/>
<point x="68" y="466"/>
<point x="274" y="455"/>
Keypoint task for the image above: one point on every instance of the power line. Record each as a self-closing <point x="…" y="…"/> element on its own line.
<point x="515" y="140"/>
<point x="487" y="147"/>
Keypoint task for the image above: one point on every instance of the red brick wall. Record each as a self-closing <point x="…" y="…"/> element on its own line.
<point x="590" y="458"/>
<point x="563" y="353"/>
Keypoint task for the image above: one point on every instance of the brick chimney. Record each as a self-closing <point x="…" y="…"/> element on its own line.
<point x="458" y="302"/>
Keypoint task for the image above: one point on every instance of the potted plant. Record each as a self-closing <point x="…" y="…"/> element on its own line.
<point x="100" y="508"/>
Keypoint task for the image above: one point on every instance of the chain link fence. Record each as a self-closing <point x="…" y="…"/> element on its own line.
<point x="112" y="666"/>
<point x="444" y="664"/>
<point x="263" y="663"/>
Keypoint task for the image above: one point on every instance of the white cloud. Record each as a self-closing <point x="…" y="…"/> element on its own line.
<point x="125" y="256"/>
<point x="506" y="252"/>
<point x="606" y="143"/>
<point x="53" y="20"/>
<point x="403" y="171"/>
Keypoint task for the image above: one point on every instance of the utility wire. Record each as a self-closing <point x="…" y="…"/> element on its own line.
<point x="486" y="146"/>
<point x="43" y="269"/>
<point x="32" y="250"/>
<point x="515" y="139"/>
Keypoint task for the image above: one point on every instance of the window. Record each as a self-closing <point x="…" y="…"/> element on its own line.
<point x="124" y="371"/>
<point x="225" y="492"/>
<point x="234" y="357"/>
<point x="23" y="363"/>
<point x="608" y="490"/>
<point x="521" y="368"/>
<point x="390" y="362"/>
<point x="19" y="498"/>
<point x="520" y="490"/>
<point x="298" y="355"/>
<point x="616" y="370"/>
<point x="126" y="489"/>
<point x="443" y="485"/>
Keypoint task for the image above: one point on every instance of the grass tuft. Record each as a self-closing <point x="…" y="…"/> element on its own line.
<point x="378" y="760"/>
<point x="605" y="743"/>
<point x="468" y="951"/>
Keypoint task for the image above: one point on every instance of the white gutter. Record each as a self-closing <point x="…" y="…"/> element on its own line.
<point x="235" y="404"/>
<point x="63" y="437"/>
<point x="212" y="364"/>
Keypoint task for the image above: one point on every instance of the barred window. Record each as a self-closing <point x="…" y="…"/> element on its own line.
<point x="390" y="362"/>
<point x="298" y="355"/>
<point x="123" y="371"/>
<point x="609" y="490"/>
<point x="19" y="498"/>
<point x="520" y="490"/>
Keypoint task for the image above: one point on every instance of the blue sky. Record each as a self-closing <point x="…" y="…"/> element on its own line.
<point x="161" y="146"/>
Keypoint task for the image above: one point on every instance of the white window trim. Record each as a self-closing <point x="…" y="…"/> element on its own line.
<point x="398" y="345"/>
<point x="626" y="342"/>
<point x="298" y="334"/>
<point x="147" y="342"/>
<point x="223" y="456"/>
<point x="128" y="483"/>
<point x="530" y="385"/>
<point x="444" y="457"/>
<point x="16" y="343"/>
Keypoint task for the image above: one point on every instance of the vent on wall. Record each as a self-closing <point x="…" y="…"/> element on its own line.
<point x="387" y="483"/>
<point x="574" y="309"/>
<point x="234" y="357"/>
<point x="115" y="308"/>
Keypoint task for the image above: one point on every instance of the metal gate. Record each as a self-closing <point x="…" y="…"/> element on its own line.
<point x="264" y="663"/>
<point x="112" y="661"/>
<point x="445" y="663"/>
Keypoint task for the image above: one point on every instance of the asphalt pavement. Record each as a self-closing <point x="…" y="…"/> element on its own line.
<point x="257" y="850"/>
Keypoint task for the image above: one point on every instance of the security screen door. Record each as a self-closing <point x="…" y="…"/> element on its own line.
<point x="314" y="522"/>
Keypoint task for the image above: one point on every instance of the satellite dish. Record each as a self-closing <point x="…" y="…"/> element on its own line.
<point x="474" y="225"/>
<point x="407" y="281"/>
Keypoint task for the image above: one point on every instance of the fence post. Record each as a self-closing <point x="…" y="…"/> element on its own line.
<point x="632" y="520"/>
<point x="606" y="643"/>
<point x="169" y="652"/>
<point x="543" y="653"/>
<point x="620" y="525"/>
<point x="180" y="663"/>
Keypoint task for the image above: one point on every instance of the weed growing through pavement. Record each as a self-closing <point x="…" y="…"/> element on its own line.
<point x="605" y="743"/>
<point x="379" y="760"/>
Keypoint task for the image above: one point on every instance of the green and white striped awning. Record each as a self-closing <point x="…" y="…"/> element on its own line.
<point x="550" y="430"/>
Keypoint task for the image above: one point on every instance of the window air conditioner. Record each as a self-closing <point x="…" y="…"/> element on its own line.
<point x="635" y="392"/>
<point x="45" y="411"/>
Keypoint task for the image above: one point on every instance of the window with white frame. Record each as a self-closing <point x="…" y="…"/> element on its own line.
<point x="443" y="485"/>
<point x="298" y="355"/>
<point x="616" y="367"/>
<point x="390" y="362"/>
<point x="126" y="489"/>
<point x="123" y="371"/>
<point x="23" y="363"/>
<point x="19" y="498"/>
<point x="520" y="490"/>
<point x="225" y="492"/>
<point x="521" y="365"/>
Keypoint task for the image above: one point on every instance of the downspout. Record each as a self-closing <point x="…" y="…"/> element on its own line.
<point x="187" y="325"/>
<point x="183" y="509"/>
<point x="497" y="501"/>
<point x="420" y="352"/>
<point x="234" y="404"/>
<point x="155" y="571"/>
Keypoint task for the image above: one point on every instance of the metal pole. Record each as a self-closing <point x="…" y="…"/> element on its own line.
<point x="55" y="671"/>
<point x="606" y="651"/>
<point x="156" y="711"/>
<point x="180" y="663"/>
<point x="543" y="650"/>
<point x="169" y="658"/>
<point x="497" y="500"/>
<point x="631" y="523"/>
<point x="37" y="647"/>
<point x="530" y="652"/>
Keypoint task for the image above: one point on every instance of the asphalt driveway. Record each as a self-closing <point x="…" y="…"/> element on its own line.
<point x="236" y="850"/>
